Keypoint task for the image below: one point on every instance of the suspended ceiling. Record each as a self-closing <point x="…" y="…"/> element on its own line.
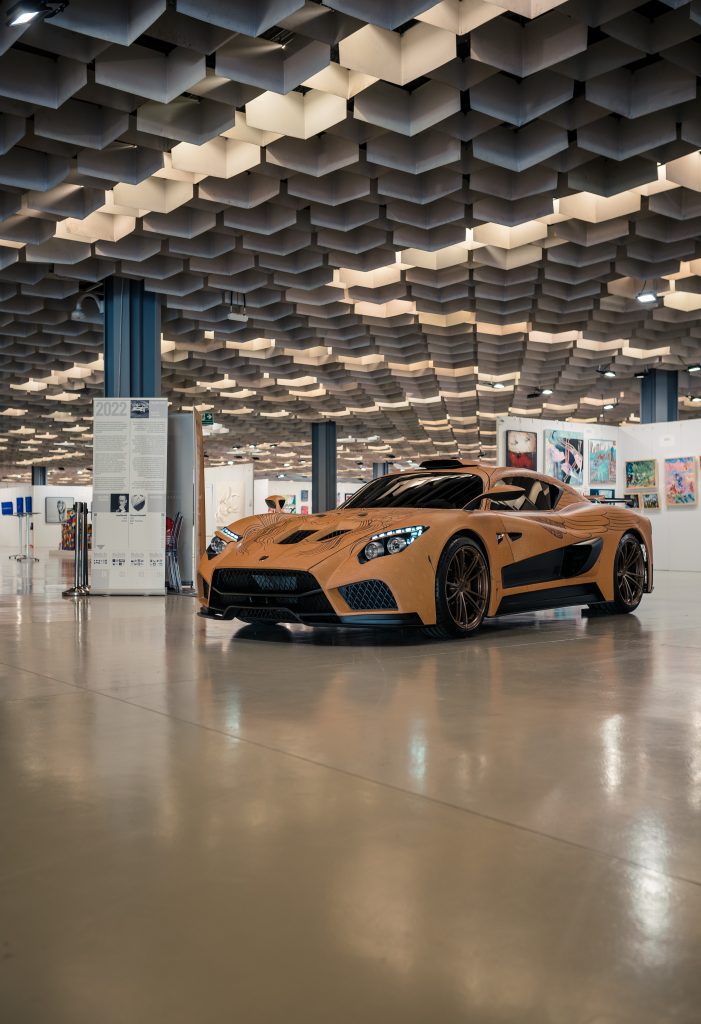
<point x="413" y="201"/>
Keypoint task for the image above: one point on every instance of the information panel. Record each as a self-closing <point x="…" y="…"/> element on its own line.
<point x="130" y="449"/>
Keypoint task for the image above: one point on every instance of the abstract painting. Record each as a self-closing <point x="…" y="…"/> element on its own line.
<point x="602" y="462"/>
<point x="564" y="456"/>
<point x="522" y="449"/>
<point x="641" y="475"/>
<point x="650" y="500"/>
<point x="680" y="482"/>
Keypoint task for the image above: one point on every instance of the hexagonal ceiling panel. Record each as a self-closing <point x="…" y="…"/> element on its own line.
<point x="406" y="217"/>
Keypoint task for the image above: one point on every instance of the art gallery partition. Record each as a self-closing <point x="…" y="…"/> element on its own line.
<point x="675" y="528"/>
<point x="299" y="493"/>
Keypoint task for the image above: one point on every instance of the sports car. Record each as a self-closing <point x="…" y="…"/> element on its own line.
<point x="442" y="547"/>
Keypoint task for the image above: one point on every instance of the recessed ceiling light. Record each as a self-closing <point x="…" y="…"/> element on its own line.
<point x="498" y="385"/>
<point x="647" y="296"/>
<point x="547" y="391"/>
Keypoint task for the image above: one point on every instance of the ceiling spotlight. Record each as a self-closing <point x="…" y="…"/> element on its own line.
<point x="27" y="11"/>
<point x="609" y="406"/>
<point x="640" y="374"/>
<point x="695" y="399"/>
<point x="547" y="391"/>
<point x="498" y="385"/>
<point x="647" y="296"/>
<point x="696" y="368"/>
<point x="240" y="316"/>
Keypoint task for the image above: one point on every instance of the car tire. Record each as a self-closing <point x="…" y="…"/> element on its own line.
<point x="628" y="577"/>
<point x="463" y="588"/>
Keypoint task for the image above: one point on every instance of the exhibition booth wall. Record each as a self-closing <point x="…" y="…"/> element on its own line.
<point x="298" y="491"/>
<point x="667" y="452"/>
<point x="45" y="535"/>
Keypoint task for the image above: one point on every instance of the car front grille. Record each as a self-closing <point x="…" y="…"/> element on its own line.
<point x="250" y="591"/>
<point x="368" y="596"/>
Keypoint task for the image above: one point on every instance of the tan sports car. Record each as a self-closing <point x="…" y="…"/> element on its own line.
<point x="442" y="547"/>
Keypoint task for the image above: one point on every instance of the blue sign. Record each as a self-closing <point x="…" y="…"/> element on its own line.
<point x="28" y="504"/>
<point x="20" y="506"/>
<point x="7" y="508"/>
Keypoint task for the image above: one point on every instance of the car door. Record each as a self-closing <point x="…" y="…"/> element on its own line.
<point x="548" y="552"/>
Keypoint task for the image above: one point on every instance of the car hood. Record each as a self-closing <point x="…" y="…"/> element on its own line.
<point x="292" y="541"/>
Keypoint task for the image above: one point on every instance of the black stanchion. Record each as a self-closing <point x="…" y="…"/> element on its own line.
<point x="81" y="587"/>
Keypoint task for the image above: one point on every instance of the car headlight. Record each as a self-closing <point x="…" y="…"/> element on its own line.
<point x="391" y="542"/>
<point x="217" y="544"/>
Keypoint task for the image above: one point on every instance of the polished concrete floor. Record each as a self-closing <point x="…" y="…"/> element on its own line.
<point x="204" y="823"/>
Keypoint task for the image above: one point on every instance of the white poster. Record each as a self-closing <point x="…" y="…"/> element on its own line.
<point x="130" y="451"/>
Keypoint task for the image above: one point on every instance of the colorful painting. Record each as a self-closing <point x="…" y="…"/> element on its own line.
<point x="602" y="462"/>
<point x="290" y="503"/>
<point x="633" y="499"/>
<point x="522" y="449"/>
<point x="680" y="487"/>
<point x="641" y="475"/>
<point x="650" y="501"/>
<point x="602" y="492"/>
<point x="564" y="456"/>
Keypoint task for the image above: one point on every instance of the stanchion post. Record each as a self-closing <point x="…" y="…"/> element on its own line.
<point x="84" y="550"/>
<point x="79" y="588"/>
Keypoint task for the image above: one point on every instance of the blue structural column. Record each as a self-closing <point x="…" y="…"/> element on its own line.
<point x="379" y="469"/>
<point x="659" y="396"/>
<point x="38" y="476"/>
<point x="324" y="495"/>
<point x="132" y="340"/>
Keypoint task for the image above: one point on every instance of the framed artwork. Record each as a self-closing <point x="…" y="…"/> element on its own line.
<point x="680" y="483"/>
<point x="603" y="492"/>
<point x="602" y="462"/>
<point x="641" y="475"/>
<point x="650" y="501"/>
<point x="56" y="509"/>
<point x="564" y="456"/>
<point x="522" y="449"/>
<point x="633" y="499"/>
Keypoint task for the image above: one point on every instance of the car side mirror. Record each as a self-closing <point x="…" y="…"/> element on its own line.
<point x="275" y="503"/>
<point x="496" y="494"/>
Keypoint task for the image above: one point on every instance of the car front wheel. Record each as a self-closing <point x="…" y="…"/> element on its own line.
<point x="462" y="589"/>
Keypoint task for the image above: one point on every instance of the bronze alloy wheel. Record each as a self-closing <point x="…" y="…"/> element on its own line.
<point x="467" y="587"/>
<point x="630" y="571"/>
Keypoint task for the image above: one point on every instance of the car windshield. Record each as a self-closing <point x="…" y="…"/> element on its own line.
<point x="407" y="490"/>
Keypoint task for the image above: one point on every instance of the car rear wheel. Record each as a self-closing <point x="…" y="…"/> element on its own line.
<point x="462" y="589"/>
<point x="628" y="577"/>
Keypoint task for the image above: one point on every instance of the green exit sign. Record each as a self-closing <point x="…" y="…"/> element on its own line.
<point x="207" y="419"/>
